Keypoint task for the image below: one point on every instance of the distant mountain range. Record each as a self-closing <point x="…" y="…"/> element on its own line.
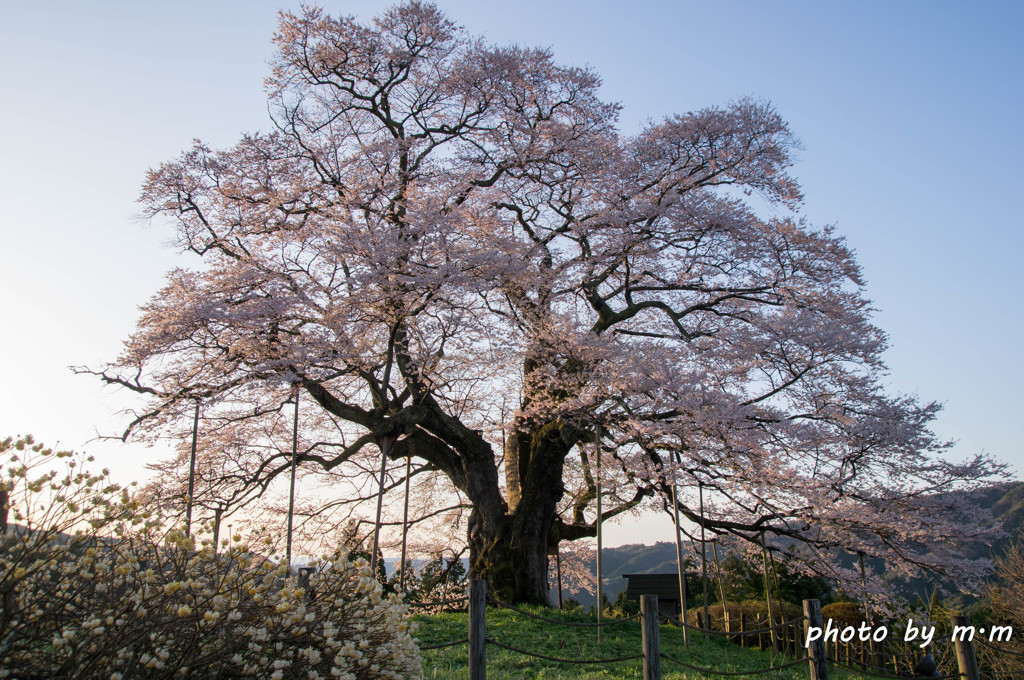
<point x="1006" y="502"/>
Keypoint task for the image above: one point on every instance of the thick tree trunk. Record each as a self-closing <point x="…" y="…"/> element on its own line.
<point x="512" y="552"/>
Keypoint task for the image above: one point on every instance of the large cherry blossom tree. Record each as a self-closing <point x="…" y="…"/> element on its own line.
<point x="452" y="250"/>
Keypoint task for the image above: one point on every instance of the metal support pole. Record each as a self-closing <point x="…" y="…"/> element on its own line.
<point x="192" y="473"/>
<point x="405" y="525"/>
<point x="384" y="443"/>
<point x="679" y="551"/>
<point x="291" y="490"/>
<point x="816" y="649"/>
<point x="477" y="629"/>
<point x="650" y="637"/>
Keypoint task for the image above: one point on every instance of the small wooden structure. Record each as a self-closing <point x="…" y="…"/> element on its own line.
<point x="665" y="586"/>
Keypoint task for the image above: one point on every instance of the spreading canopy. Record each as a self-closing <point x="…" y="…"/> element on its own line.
<point x="450" y="246"/>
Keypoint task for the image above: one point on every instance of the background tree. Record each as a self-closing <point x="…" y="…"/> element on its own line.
<point x="434" y="224"/>
<point x="1004" y="602"/>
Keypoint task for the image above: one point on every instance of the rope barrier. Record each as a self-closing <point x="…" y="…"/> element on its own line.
<point x="754" y="631"/>
<point x="455" y="643"/>
<point x="617" y="659"/>
<point x="499" y="603"/>
<point x="437" y="603"/>
<point x="871" y="665"/>
<point x="888" y="675"/>
<point x="998" y="649"/>
<point x="712" y="671"/>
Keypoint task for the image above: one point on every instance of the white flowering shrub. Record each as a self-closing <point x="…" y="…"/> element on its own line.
<point x="92" y="586"/>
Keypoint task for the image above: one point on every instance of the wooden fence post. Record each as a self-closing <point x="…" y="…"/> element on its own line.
<point x="477" y="629"/>
<point x="743" y="629"/>
<point x="816" y="649"/>
<point x="650" y="635"/>
<point x="965" y="657"/>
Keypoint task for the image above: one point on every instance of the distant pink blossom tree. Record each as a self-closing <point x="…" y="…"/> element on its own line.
<point x="440" y="240"/>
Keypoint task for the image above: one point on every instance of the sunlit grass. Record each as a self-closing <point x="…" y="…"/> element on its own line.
<point x="578" y="643"/>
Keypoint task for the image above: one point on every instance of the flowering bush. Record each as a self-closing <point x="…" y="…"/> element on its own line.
<point x="93" y="585"/>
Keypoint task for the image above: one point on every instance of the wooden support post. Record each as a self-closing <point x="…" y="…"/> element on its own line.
<point x="965" y="656"/>
<point x="477" y="629"/>
<point x="650" y="634"/>
<point x="816" y="649"/>
<point x="743" y="629"/>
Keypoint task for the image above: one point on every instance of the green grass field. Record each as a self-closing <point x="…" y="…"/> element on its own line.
<point x="518" y="630"/>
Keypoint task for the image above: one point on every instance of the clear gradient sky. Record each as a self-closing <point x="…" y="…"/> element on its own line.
<point x="911" y="116"/>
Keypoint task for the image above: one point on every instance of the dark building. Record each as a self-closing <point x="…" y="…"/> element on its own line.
<point x="665" y="586"/>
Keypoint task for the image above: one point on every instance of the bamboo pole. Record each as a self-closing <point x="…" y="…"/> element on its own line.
<point x="704" y="563"/>
<point x="867" y="612"/>
<point x="405" y="524"/>
<point x="721" y="589"/>
<point x="767" y="593"/>
<point x="191" y="475"/>
<point x="778" y="587"/>
<point x="384" y="443"/>
<point x="558" y="570"/>
<point x="679" y="549"/>
<point x="291" y="489"/>
<point x="600" y="603"/>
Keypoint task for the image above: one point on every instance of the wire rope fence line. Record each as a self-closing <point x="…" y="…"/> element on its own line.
<point x="817" y="659"/>
<point x="437" y="603"/>
<point x="616" y="659"/>
<point x="788" y="634"/>
<point x="734" y="633"/>
<point x="715" y="671"/>
<point x="1001" y="667"/>
<point x="651" y="654"/>
<point x="453" y="643"/>
<point x="890" y="676"/>
<point x="996" y="648"/>
<point x="575" y="624"/>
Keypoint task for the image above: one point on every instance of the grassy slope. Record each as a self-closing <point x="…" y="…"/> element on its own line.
<point x="517" y="630"/>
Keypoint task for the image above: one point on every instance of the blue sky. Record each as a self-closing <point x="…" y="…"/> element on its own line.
<point x="910" y="115"/>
